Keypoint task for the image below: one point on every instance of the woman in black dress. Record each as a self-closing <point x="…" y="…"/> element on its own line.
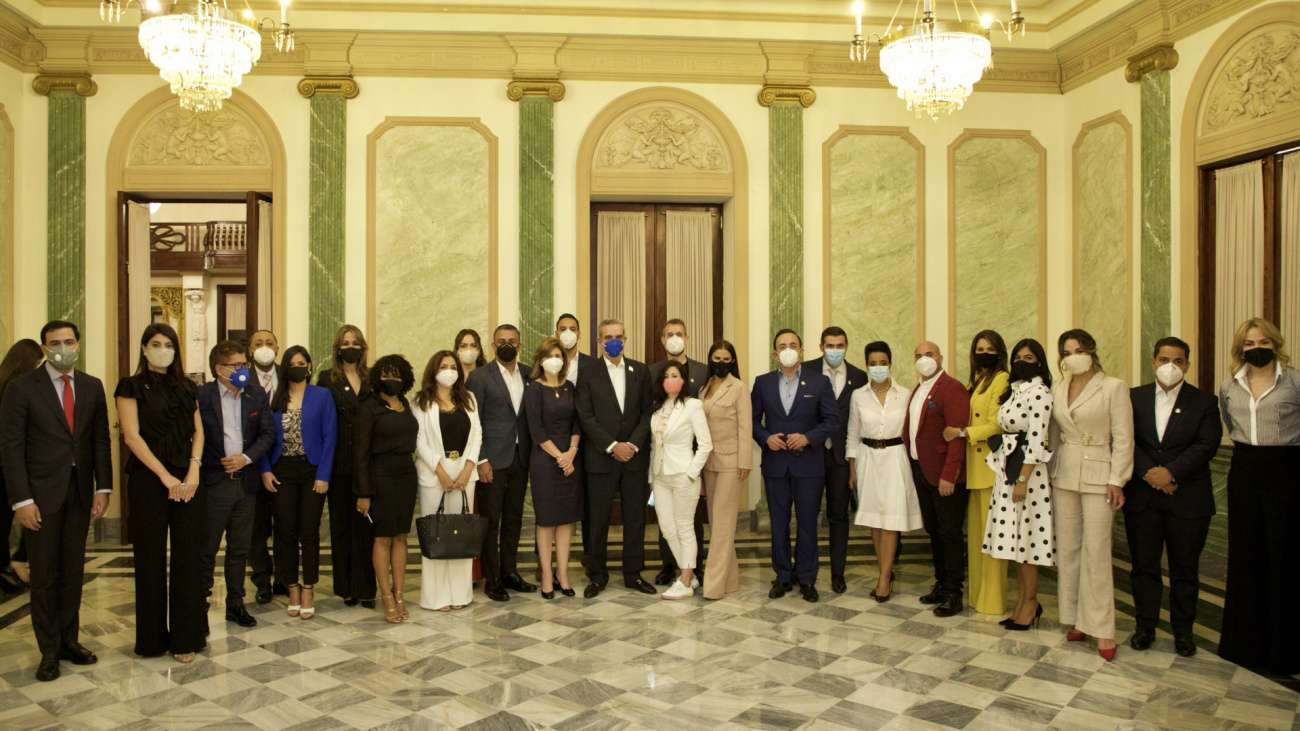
<point x="158" y="411"/>
<point x="386" y="480"/>
<point x="556" y="475"/>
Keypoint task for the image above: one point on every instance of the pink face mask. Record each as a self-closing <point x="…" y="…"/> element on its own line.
<point x="673" y="386"/>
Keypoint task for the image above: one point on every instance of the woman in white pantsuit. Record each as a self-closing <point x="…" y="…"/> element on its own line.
<point x="680" y="445"/>
<point x="1092" y="448"/>
<point x="446" y="454"/>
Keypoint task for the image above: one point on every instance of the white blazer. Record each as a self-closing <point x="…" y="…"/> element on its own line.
<point x="671" y="452"/>
<point x="429" y="452"/>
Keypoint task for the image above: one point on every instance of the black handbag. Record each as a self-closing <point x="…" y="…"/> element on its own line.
<point x="451" y="536"/>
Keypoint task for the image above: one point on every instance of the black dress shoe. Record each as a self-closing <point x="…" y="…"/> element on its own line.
<point x="665" y="577"/>
<point x="280" y="589"/>
<point x="809" y="592"/>
<point x="263" y="595"/>
<point x="515" y="582"/>
<point x="77" y="654"/>
<point x="495" y="591"/>
<point x="779" y="589"/>
<point x="239" y="613"/>
<point x="1184" y="645"/>
<point x="49" y="669"/>
<point x="935" y="596"/>
<point x="350" y="602"/>
<point x="948" y="606"/>
<point x="641" y="585"/>
<point x="593" y="590"/>
<point x="837" y="584"/>
<point x="368" y="603"/>
<point x="1142" y="639"/>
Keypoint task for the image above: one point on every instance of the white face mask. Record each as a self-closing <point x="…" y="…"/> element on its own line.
<point x="264" y="356"/>
<point x="879" y="374"/>
<point x="553" y="365"/>
<point x="447" y="378"/>
<point x="926" y="366"/>
<point x="675" y="345"/>
<point x="1169" y="375"/>
<point x="469" y="356"/>
<point x="789" y="357"/>
<point x="568" y="339"/>
<point x="160" y="358"/>
<point x="1077" y="364"/>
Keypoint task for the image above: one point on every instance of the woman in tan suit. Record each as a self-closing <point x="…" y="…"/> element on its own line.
<point x="1092" y="443"/>
<point x="731" y="425"/>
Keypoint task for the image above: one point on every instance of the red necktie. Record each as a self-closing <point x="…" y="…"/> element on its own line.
<point x="69" y="402"/>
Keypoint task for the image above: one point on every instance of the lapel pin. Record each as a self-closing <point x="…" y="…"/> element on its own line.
<point x="1178" y="411"/>
<point x="629" y="369"/>
<point x="803" y="383"/>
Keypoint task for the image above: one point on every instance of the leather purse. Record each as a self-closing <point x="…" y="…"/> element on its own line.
<point x="446" y="536"/>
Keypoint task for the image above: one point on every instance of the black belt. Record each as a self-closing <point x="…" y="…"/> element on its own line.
<point x="882" y="443"/>
<point x="236" y="475"/>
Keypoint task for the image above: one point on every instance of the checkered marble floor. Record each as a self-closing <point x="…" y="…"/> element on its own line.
<point x="629" y="661"/>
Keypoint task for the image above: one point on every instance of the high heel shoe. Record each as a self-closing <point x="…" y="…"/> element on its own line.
<point x="1016" y="627"/>
<point x="1075" y="635"/>
<point x="568" y="592"/>
<point x="401" y="603"/>
<point x="391" y="615"/>
<point x="1107" y="654"/>
<point x="308" y="596"/>
<point x="882" y="599"/>
<point x="548" y="595"/>
<point x="295" y="609"/>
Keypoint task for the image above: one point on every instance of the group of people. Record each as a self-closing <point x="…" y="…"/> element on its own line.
<point x="1008" y="467"/>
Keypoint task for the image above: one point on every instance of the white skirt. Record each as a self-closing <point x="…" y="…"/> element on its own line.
<point x="886" y="494"/>
<point x="447" y="583"/>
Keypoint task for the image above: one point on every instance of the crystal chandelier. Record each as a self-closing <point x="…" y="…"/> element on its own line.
<point x="933" y="65"/>
<point x="201" y="47"/>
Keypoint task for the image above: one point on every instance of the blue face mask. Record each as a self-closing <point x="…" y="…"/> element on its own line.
<point x="239" y="378"/>
<point x="613" y="347"/>
<point x="879" y="374"/>
<point x="834" y="356"/>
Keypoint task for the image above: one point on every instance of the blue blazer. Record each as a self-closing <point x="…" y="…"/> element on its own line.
<point x="814" y="415"/>
<point x="319" y="432"/>
<point x="258" y="432"/>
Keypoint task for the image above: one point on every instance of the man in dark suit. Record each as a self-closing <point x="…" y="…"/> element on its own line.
<point x="939" y="401"/>
<point x="498" y="388"/>
<point x="613" y="405"/>
<point x="58" y="464"/>
<point x="845" y="378"/>
<point x="1169" y="502"/>
<point x="237" y="432"/>
<point x="263" y="348"/>
<point x="794" y="415"/>
<point x="675" y="340"/>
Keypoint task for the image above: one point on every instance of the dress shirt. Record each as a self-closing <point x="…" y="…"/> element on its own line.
<point x="57" y="378"/>
<point x="837" y="378"/>
<point x="572" y="375"/>
<point x="618" y="377"/>
<point x="232" y="423"/>
<point x="917" y="408"/>
<point x="1165" y="407"/>
<point x="789" y="388"/>
<point x="1268" y="421"/>
<point x="515" y="385"/>
<point x="270" y="380"/>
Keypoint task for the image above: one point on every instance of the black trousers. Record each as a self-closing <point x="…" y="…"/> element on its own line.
<point x="666" y="553"/>
<point x="352" y="538"/>
<point x="1263" y="575"/>
<point x="58" y="559"/>
<point x="837" y="511"/>
<point x="167" y="617"/>
<point x="227" y="510"/>
<point x="1152" y="533"/>
<point x="943" y="518"/>
<point x="260" y="564"/>
<point x="501" y="501"/>
<point x="631" y="487"/>
<point x="298" y="508"/>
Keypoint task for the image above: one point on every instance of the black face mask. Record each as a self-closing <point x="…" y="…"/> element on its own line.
<point x="298" y="374"/>
<point x="1259" y="357"/>
<point x="506" y="352"/>
<point x="1023" y="370"/>
<point x="350" y="355"/>
<point x="985" y="361"/>
<point x="720" y="369"/>
<point x="391" y="386"/>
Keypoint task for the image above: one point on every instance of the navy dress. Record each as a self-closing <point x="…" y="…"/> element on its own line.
<point x="384" y="441"/>
<point x="557" y="500"/>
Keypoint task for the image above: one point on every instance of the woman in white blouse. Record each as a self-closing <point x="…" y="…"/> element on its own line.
<point x="878" y="466"/>
<point x="680" y="446"/>
<point x="446" y="453"/>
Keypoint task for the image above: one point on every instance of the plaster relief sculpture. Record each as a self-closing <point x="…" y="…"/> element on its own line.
<point x="662" y="138"/>
<point x="1262" y="77"/>
<point x="180" y="137"/>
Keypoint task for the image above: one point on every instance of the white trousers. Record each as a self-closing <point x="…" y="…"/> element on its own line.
<point x="1086" y="588"/>
<point x="675" y="500"/>
<point x="446" y="583"/>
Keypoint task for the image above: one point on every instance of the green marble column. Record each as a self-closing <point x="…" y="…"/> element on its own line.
<point x="785" y="252"/>
<point x="66" y="208"/>
<point x="325" y="223"/>
<point x="536" y="219"/>
<point x="1157" y="164"/>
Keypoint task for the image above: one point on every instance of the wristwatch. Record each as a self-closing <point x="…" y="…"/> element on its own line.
<point x="1022" y="478"/>
<point x="962" y="433"/>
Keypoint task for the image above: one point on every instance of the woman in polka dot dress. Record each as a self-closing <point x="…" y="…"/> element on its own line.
<point x="1019" y="527"/>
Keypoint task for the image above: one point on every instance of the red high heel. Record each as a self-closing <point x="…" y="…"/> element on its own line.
<point x="1075" y="635"/>
<point x="1109" y="654"/>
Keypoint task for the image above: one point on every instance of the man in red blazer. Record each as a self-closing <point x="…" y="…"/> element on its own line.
<point x="940" y="401"/>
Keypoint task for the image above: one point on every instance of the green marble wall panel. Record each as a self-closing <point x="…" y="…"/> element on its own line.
<point x="785" y="252"/>
<point x="1102" y="206"/>
<point x="327" y="183"/>
<point x="997" y="244"/>
<point x="6" y="236"/>
<point x="536" y="221"/>
<point x="1157" y="163"/>
<point x="873" y="234"/>
<point x="432" y="239"/>
<point x="66" y="208"/>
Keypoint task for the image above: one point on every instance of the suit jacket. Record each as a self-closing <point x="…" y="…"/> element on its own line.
<point x="814" y="415"/>
<point x="855" y="378"/>
<point x="502" y="425"/>
<point x="583" y="361"/>
<point x="948" y="404"/>
<point x="685" y="444"/>
<point x="37" y="449"/>
<point x="731" y="426"/>
<point x="602" y="422"/>
<point x="1092" y="438"/>
<point x="429" y="452"/>
<point x="983" y="424"/>
<point x="1192" y="438"/>
<point x="319" y="432"/>
<point x="697" y="374"/>
<point x="346" y="404"/>
<point x="258" y="432"/>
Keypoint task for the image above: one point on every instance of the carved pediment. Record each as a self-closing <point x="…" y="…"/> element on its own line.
<point x="1259" y="78"/>
<point x="178" y="137"/>
<point x="662" y="137"/>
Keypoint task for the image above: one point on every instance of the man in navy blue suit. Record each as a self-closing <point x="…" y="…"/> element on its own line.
<point x="794" y="414"/>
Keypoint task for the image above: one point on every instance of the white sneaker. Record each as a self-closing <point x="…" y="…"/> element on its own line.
<point x="678" y="591"/>
<point x="695" y="583"/>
